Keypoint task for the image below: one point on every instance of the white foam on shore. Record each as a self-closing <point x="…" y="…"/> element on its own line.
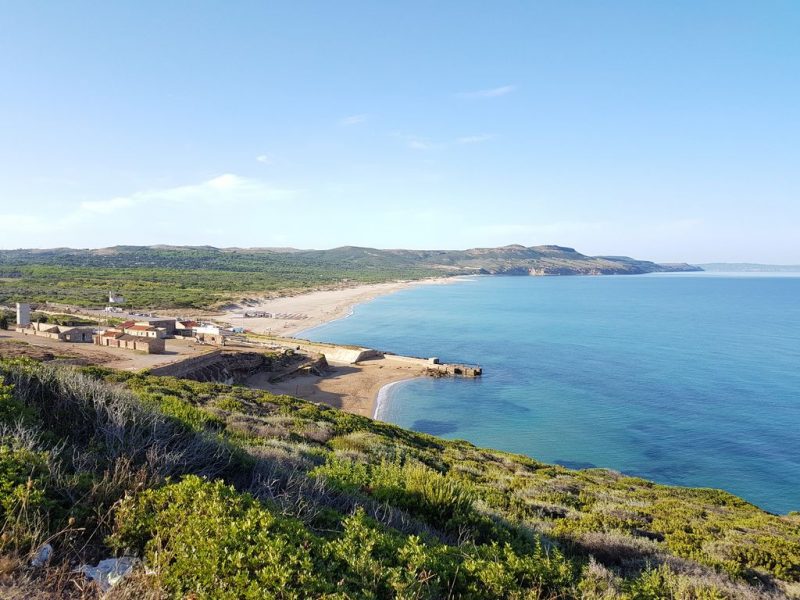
<point x="384" y="396"/>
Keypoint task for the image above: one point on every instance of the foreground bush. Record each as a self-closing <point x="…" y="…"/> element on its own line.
<point x="205" y="538"/>
<point x="309" y="502"/>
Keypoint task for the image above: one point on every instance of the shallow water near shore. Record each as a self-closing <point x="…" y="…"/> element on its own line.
<point x="686" y="379"/>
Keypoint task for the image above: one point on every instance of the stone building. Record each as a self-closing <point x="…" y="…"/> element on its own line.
<point x="157" y="322"/>
<point x="186" y="328"/>
<point x="115" y="338"/>
<point x="144" y="330"/>
<point x="211" y="334"/>
<point x="58" y="332"/>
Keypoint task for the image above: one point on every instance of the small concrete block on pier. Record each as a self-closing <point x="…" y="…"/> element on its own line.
<point x="444" y="370"/>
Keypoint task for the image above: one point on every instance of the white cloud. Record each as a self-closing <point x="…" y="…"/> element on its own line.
<point x="226" y="189"/>
<point x="415" y="142"/>
<point x="353" y="120"/>
<point x="489" y="93"/>
<point x="265" y="159"/>
<point x="107" y="206"/>
<point x="419" y="144"/>
<point x="474" y="139"/>
<point x="160" y="214"/>
<point x="225" y="182"/>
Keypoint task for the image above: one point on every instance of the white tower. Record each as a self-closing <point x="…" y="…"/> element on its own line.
<point x="23" y="314"/>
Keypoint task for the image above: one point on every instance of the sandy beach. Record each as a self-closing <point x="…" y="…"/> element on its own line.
<point x="294" y="314"/>
<point x="350" y="387"/>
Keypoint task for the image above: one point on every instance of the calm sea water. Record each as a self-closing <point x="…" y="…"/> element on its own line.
<point x="690" y="379"/>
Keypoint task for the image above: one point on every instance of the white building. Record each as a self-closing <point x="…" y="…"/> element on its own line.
<point x="211" y="334"/>
<point x="23" y="314"/>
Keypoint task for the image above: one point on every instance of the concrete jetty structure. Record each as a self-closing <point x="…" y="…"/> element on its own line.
<point x="432" y="366"/>
<point x="352" y="355"/>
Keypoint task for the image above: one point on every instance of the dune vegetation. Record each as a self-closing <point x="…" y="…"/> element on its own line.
<point x="227" y="492"/>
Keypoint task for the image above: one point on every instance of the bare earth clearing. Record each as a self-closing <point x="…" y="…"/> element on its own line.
<point x="17" y="344"/>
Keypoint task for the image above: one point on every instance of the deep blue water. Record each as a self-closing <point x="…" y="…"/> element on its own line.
<point x="684" y="379"/>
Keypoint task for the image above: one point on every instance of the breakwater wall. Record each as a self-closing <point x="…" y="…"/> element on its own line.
<point x="351" y="355"/>
<point x="181" y="368"/>
<point x="342" y="355"/>
<point x="432" y="366"/>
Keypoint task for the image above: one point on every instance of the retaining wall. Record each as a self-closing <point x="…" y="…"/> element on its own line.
<point x="183" y="367"/>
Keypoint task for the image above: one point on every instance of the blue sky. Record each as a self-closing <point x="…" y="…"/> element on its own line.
<point x="662" y="130"/>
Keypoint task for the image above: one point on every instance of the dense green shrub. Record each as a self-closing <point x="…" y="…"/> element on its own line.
<point x="344" y="507"/>
<point x="207" y="539"/>
<point x="24" y="505"/>
<point x="11" y="409"/>
<point x="663" y="584"/>
<point x="773" y="554"/>
<point x="436" y="498"/>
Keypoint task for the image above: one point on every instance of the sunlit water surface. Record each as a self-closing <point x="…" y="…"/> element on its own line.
<point x="690" y="379"/>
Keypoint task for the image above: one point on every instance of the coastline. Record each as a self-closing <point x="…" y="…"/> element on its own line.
<point x="354" y="388"/>
<point x="382" y="398"/>
<point x="357" y="388"/>
<point x="302" y="312"/>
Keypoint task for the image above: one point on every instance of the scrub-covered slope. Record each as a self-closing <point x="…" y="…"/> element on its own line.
<point x="200" y="277"/>
<point x="226" y="492"/>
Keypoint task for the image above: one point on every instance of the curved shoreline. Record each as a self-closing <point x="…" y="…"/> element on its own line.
<point x="382" y="398"/>
<point x="359" y="388"/>
<point x="301" y="313"/>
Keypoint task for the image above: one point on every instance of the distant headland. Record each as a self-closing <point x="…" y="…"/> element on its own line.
<point x="749" y="268"/>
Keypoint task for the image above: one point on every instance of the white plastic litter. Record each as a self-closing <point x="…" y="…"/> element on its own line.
<point x="109" y="572"/>
<point x="42" y="556"/>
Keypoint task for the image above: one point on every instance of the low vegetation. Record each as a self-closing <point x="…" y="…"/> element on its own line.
<point x="227" y="492"/>
<point x="202" y="277"/>
<point x="182" y="277"/>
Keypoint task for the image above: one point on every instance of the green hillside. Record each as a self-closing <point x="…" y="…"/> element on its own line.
<point x="201" y="277"/>
<point x="227" y="492"/>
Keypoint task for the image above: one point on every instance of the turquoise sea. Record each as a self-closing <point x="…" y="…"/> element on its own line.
<point x="687" y="379"/>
